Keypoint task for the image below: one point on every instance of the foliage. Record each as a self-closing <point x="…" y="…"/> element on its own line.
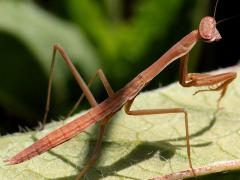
<point x="122" y="39"/>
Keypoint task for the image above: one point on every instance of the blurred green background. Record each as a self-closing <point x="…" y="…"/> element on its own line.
<point x="120" y="36"/>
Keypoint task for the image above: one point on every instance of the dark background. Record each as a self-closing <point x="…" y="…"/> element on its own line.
<point x="225" y="52"/>
<point x="26" y="85"/>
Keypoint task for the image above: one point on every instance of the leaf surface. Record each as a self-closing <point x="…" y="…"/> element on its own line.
<point x="139" y="147"/>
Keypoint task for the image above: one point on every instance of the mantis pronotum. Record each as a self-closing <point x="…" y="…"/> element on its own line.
<point x="124" y="97"/>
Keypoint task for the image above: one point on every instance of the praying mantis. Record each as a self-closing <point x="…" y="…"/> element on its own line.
<point x="124" y="97"/>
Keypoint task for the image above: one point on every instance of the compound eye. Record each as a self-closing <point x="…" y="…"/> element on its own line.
<point x="207" y="28"/>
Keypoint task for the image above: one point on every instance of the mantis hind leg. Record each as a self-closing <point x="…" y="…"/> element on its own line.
<point x="96" y="150"/>
<point x="127" y="108"/>
<point x="86" y="92"/>
<point x="79" y="79"/>
<point x="102" y="126"/>
<point x="99" y="73"/>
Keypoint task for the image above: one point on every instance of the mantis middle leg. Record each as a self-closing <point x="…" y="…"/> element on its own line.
<point x="128" y="111"/>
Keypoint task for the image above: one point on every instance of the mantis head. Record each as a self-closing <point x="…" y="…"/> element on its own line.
<point x="208" y="31"/>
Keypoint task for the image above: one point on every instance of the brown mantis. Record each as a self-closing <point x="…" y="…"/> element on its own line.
<point x="124" y="97"/>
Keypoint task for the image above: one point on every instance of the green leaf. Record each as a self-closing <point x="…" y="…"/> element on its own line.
<point x="139" y="147"/>
<point x="34" y="26"/>
<point x="151" y="27"/>
<point x="27" y="34"/>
